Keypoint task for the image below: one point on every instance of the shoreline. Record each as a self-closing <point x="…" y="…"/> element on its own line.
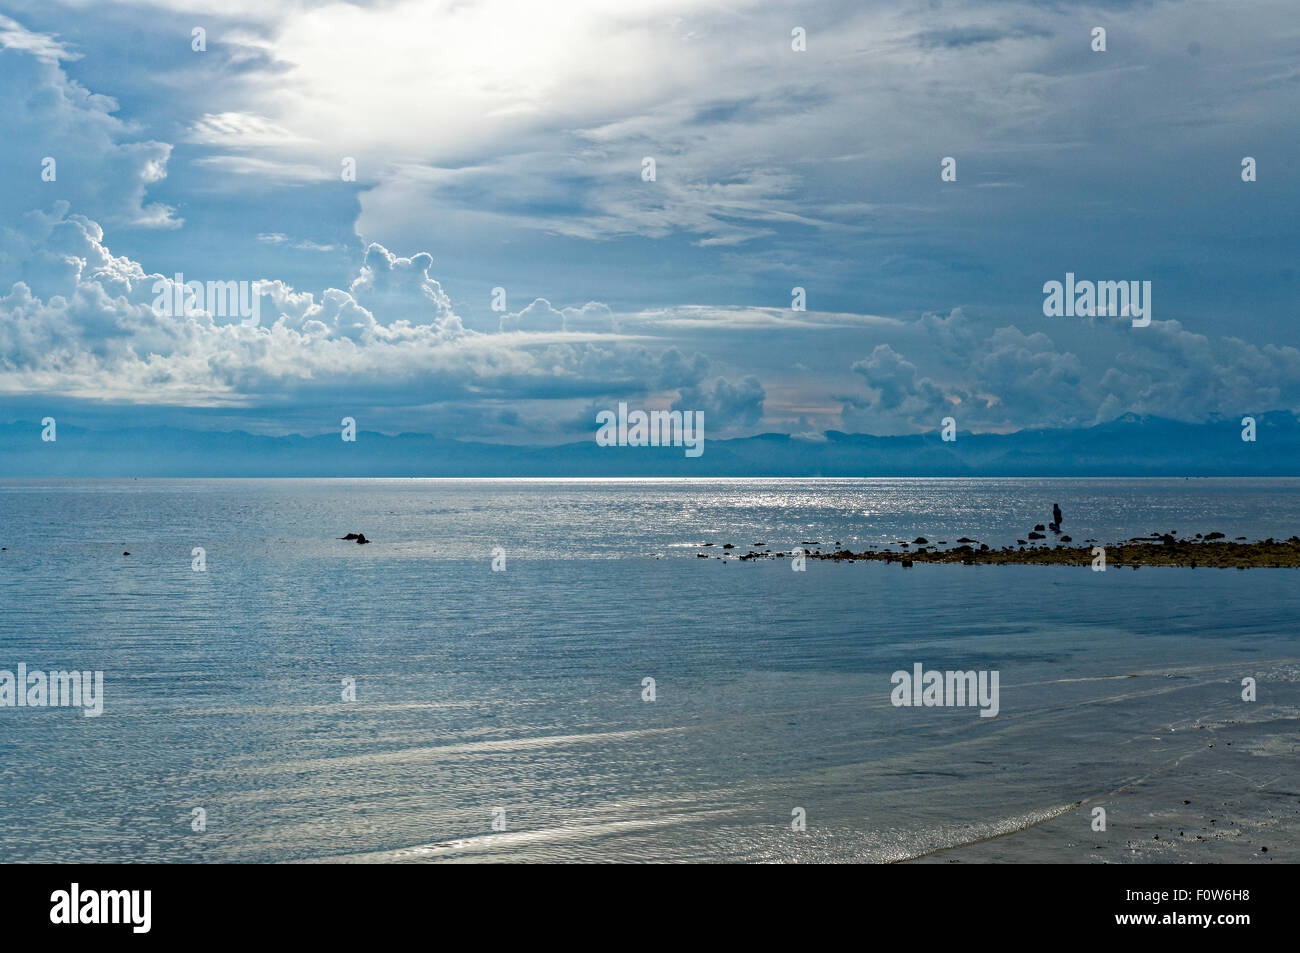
<point x="1181" y="811"/>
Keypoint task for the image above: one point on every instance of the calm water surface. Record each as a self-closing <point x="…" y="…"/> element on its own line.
<point x="522" y="690"/>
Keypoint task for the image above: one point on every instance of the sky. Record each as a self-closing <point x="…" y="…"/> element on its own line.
<point x="502" y="145"/>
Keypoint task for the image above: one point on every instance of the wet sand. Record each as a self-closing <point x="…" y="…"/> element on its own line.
<point x="1226" y="791"/>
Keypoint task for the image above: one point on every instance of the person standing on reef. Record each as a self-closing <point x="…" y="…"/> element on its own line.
<point x="1056" y="517"/>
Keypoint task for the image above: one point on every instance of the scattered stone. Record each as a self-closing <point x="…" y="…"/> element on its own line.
<point x="920" y="540"/>
<point x="1141" y="551"/>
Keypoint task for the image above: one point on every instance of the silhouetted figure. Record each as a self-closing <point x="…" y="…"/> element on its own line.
<point x="1056" y="518"/>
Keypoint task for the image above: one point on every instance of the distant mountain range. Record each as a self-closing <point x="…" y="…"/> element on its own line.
<point x="1128" y="446"/>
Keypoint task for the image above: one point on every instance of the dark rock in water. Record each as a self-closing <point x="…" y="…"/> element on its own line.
<point x="965" y="539"/>
<point x="1039" y="527"/>
<point x="1067" y="539"/>
<point x="126" y="554"/>
<point x="1037" y="536"/>
<point x="758" y="544"/>
<point x="984" y="547"/>
<point x="701" y="555"/>
<point x="1021" y="542"/>
<point x="907" y="564"/>
<point x="708" y="544"/>
<point x="351" y="536"/>
<point x="920" y="540"/>
<point x="729" y="546"/>
<point x="1168" y="540"/>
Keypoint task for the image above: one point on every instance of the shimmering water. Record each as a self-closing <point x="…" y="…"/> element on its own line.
<point x="522" y="690"/>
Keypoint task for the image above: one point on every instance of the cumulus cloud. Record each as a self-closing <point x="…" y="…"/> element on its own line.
<point x="727" y="405"/>
<point x="509" y="131"/>
<point x="97" y="165"/>
<point x="1009" y="379"/>
<point x="541" y="316"/>
<point x="896" y="385"/>
<point x="83" y="323"/>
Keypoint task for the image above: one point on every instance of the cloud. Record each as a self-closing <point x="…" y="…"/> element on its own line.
<point x="726" y="405"/>
<point x="514" y="157"/>
<point x="267" y="172"/>
<point x="594" y="316"/>
<point x="1010" y="379"/>
<point x="538" y="316"/>
<point x="279" y="238"/>
<point x="15" y="36"/>
<point x="896" y="384"/>
<point x="235" y="130"/>
<point x="97" y="166"/>
<point x="83" y="324"/>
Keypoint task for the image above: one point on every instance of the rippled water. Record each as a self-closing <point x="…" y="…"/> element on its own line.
<point x="522" y="690"/>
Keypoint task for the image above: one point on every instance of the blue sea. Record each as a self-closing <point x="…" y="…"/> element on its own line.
<point x="503" y="715"/>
